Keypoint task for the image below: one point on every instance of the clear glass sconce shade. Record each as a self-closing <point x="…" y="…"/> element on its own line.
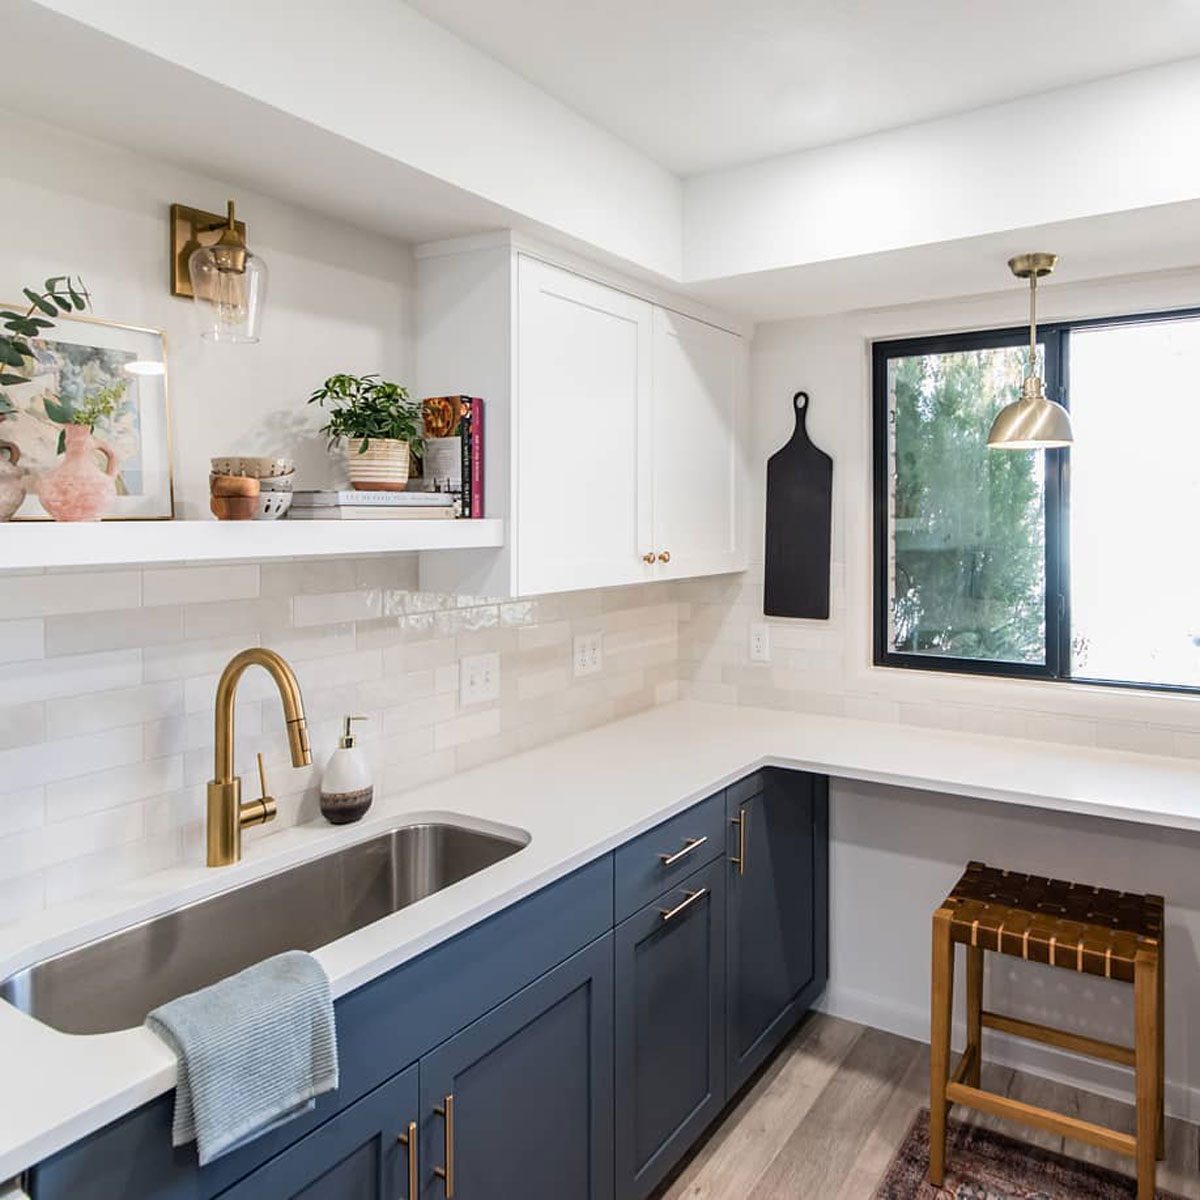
<point x="230" y="293"/>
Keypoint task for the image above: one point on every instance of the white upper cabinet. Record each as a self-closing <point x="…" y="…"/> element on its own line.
<point x="614" y="425"/>
<point x="697" y="447"/>
<point x="582" y="461"/>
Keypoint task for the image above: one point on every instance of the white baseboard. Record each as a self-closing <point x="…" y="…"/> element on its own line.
<point x="1107" y="1079"/>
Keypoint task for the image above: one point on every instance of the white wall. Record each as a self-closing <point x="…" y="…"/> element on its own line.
<point x="1103" y="147"/>
<point x="338" y="299"/>
<point x="895" y="853"/>
<point x="379" y="74"/>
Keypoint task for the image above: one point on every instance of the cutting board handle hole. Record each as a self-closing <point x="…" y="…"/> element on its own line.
<point x="800" y="400"/>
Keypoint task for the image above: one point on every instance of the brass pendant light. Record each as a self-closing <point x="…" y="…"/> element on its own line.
<point x="1033" y="422"/>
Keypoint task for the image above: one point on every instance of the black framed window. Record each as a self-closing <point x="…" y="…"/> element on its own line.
<point x="1064" y="564"/>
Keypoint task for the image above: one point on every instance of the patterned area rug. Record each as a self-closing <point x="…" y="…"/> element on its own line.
<point x="984" y="1165"/>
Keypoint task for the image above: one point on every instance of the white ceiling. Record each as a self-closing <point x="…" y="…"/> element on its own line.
<point x="703" y="84"/>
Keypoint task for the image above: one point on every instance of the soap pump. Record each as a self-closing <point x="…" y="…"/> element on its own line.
<point x="346" y="787"/>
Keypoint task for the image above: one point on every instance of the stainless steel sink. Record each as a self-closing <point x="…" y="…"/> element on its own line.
<point x="112" y="983"/>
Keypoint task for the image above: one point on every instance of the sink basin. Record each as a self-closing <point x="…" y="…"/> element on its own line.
<point x="112" y="983"/>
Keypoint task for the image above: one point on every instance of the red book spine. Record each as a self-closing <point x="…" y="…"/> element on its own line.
<point x="477" y="457"/>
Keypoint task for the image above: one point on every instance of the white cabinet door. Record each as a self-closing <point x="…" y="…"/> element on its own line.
<point x="582" y="454"/>
<point x="698" y="384"/>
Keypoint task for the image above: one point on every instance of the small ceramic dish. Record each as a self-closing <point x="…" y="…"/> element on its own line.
<point x="272" y="505"/>
<point x="278" y="483"/>
<point x="252" y="466"/>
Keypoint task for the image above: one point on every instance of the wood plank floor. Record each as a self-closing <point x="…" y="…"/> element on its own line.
<point x="827" y="1114"/>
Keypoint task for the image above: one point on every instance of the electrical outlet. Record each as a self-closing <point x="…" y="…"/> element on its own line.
<point x="760" y="642"/>
<point x="478" y="679"/>
<point x="589" y="654"/>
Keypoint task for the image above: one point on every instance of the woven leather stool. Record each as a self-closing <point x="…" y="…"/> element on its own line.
<point x="1097" y="931"/>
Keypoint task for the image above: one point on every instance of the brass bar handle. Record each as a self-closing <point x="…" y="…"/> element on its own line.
<point x="409" y="1141"/>
<point x="669" y="914"/>
<point x="446" y="1173"/>
<point x="692" y="844"/>
<point x="739" y="860"/>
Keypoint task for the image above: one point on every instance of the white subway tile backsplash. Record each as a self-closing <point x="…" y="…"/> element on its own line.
<point x="21" y="724"/>
<point x="197" y="585"/>
<point x="68" y="592"/>
<point x="332" y="607"/>
<point x="22" y="640"/>
<point x="106" y="701"/>
<point x="98" y="790"/>
<point x="66" y="758"/>
<point x="115" y="630"/>
<point x="123" y="706"/>
<point x="22" y="810"/>
<point x="45" y="679"/>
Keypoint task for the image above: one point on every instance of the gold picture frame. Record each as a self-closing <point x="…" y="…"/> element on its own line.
<point x="85" y="351"/>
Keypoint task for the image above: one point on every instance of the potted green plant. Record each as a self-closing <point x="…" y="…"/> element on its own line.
<point x="377" y="425"/>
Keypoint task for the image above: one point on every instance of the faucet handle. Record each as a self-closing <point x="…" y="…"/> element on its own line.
<point x="262" y="810"/>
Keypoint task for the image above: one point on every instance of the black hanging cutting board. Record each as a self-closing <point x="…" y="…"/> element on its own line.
<point x="799" y="525"/>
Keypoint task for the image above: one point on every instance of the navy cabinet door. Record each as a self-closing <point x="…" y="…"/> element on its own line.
<point x="358" y="1155"/>
<point x="776" y="943"/>
<point x="520" y="1103"/>
<point x="670" y="1078"/>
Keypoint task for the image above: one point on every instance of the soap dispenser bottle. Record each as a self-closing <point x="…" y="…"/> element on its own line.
<point x="346" y="787"/>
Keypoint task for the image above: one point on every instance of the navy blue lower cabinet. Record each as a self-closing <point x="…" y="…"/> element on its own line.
<point x="670" y="1017"/>
<point x="777" y="930"/>
<point x="519" y="1105"/>
<point x="359" y="1155"/>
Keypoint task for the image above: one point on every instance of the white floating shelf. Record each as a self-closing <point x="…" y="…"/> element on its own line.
<point x="30" y="544"/>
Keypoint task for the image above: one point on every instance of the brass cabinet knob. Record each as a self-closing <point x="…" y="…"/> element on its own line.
<point x="665" y="556"/>
<point x="648" y="558"/>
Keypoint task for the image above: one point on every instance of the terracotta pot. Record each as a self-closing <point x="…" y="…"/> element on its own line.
<point x="12" y="481"/>
<point x="77" y="489"/>
<point x="382" y="467"/>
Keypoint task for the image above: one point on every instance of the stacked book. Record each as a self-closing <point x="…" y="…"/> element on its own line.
<point x="453" y="460"/>
<point x="371" y="506"/>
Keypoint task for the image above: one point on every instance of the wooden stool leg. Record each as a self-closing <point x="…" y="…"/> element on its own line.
<point x="974" y="1012"/>
<point x="1161" y="1147"/>
<point x="1145" y="1040"/>
<point x="941" y="1002"/>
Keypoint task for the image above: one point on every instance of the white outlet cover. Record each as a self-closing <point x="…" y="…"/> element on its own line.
<point x="478" y="679"/>
<point x="760" y="641"/>
<point x="588" y="658"/>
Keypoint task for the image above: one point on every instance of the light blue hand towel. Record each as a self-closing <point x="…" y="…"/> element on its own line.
<point x="254" y="1051"/>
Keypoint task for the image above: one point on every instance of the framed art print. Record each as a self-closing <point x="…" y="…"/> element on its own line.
<point x="81" y="357"/>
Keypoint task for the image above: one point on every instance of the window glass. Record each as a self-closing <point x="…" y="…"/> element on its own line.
<point x="1135" y="502"/>
<point x="967" y="529"/>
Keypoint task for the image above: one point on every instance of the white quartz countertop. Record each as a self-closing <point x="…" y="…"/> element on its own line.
<point x="576" y="799"/>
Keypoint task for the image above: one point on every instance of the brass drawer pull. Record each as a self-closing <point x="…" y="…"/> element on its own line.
<point x="446" y="1173"/>
<point x="739" y="860"/>
<point x="669" y="860"/>
<point x="409" y="1141"/>
<point x="691" y="898"/>
<point x="649" y="558"/>
<point x="665" y="556"/>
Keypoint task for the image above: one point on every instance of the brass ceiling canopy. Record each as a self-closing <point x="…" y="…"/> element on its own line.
<point x="1034" y="421"/>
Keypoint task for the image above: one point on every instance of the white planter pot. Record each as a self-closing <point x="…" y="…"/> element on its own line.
<point x="383" y="466"/>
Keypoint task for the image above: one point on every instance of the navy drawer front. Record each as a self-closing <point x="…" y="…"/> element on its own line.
<point x="382" y="1027"/>
<point x="658" y="860"/>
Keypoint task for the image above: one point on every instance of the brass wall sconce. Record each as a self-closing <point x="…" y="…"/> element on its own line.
<point x="211" y="263"/>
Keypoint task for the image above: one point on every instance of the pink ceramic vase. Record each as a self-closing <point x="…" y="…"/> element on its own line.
<point x="77" y="489"/>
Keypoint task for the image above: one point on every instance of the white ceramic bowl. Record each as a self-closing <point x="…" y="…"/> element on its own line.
<point x="252" y="466"/>
<point x="272" y="505"/>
